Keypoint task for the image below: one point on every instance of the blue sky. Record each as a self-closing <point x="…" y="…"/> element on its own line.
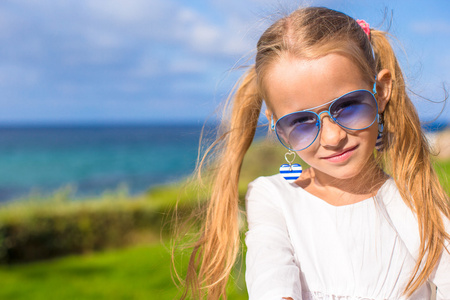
<point x="101" y="61"/>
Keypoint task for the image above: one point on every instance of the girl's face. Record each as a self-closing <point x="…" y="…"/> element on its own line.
<point x="297" y="84"/>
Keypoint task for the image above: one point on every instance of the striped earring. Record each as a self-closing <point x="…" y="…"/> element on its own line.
<point x="379" y="145"/>
<point x="290" y="171"/>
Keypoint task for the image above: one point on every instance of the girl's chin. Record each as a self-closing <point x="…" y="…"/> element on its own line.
<point x="347" y="172"/>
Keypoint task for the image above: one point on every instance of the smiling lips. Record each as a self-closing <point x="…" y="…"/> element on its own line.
<point x="342" y="156"/>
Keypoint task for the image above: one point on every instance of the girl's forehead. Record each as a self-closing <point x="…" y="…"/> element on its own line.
<point x="293" y="84"/>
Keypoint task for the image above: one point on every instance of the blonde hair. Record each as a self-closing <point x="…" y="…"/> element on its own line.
<point x="311" y="33"/>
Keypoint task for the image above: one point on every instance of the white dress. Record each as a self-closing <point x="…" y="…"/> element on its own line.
<point x="300" y="246"/>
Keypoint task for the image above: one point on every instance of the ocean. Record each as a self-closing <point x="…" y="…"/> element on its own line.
<point x="94" y="159"/>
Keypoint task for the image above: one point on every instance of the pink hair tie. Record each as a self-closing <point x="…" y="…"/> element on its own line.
<point x="365" y="26"/>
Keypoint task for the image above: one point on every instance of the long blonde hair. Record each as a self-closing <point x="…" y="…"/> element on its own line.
<point x="311" y="33"/>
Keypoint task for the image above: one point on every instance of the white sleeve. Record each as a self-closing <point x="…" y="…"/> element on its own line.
<point x="271" y="271"/>
<point x="441" y="274"/>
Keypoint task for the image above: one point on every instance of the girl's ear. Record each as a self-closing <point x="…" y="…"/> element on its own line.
<point x="384" y="89"/>
<point x="269" y="116"/>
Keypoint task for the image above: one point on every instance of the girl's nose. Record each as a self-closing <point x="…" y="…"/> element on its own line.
<point x="331" y="135"/>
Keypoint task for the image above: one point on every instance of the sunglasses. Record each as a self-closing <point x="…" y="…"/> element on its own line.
<point x="356" y="110"/>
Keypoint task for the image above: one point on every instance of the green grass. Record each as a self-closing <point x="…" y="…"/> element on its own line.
<point x="140" y="272"/>
<point x="133" y="273"/>
<point x="443" y="171"/>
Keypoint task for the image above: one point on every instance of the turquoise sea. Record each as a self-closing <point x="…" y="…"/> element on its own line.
<point x="94" y="159"/>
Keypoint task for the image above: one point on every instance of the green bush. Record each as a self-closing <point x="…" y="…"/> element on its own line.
<point x="39" y="229"/>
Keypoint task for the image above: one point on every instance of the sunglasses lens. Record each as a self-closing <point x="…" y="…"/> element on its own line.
<point x="298" y="130"/>
<point x="356" y="110"/>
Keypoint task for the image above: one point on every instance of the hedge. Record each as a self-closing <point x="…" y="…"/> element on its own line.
<point x="41" y="229"/>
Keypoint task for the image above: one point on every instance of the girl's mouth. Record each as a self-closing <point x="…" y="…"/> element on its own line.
<point x="341" y="156"/>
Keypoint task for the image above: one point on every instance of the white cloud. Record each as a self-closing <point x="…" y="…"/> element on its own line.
<point x="122" y="12"/>
<point x="85" y="50"/>
<point x="105" y="39"/>
<point x="204" y="36"/>
<point x="147" y="66"/>
<point x="187" y="66"/>
<point x="431" y="27"/>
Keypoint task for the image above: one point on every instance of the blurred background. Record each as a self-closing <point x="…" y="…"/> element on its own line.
<point x="102" y="102"/>
<point x="84" y="81"/>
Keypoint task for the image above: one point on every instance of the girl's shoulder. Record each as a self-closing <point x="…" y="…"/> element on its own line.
<point x="277" y="191"/>
<point x="275" y="179"/>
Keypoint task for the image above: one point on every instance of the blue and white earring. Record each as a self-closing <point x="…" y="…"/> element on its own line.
<point x="290" y="171"/>
<point x="379" y="145"/>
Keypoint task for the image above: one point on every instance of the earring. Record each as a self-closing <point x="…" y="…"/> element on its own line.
<point x="379" y="143"/>
<point x="290" y="171"/>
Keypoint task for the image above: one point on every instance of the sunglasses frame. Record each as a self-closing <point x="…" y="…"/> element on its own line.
<point x="319" y="120"/>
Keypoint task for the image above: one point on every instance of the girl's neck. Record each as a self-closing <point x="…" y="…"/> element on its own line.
<point x="346" y="191"/>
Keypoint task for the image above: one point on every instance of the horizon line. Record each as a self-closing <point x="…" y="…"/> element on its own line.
<point x="430" y="125"/>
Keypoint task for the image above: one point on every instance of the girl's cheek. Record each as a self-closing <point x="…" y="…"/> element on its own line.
<point x="306" y="156"/>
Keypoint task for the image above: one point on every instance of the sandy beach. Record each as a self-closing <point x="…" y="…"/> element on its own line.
<point x="440" y="143"/>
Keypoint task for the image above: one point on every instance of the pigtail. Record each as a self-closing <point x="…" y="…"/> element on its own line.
<point x="216" y="250"/>
<point x="407" y="158"/>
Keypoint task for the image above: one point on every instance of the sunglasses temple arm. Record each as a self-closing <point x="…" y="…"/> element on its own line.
<point x="272" y="125"/>
<point x="375" y="86"/>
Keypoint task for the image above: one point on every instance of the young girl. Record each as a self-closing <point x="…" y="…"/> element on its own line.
<point x="359" y="223"/>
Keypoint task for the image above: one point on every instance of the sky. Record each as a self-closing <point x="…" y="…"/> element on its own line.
<point x="150" y="61"/>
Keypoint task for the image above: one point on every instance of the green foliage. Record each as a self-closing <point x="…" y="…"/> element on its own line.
<point x="443" y="170"/>
<point x="44" y="228"/>
<point x="140" y="272"/>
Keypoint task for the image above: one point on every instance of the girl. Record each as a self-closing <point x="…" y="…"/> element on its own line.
<point x="359" y="223"/>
